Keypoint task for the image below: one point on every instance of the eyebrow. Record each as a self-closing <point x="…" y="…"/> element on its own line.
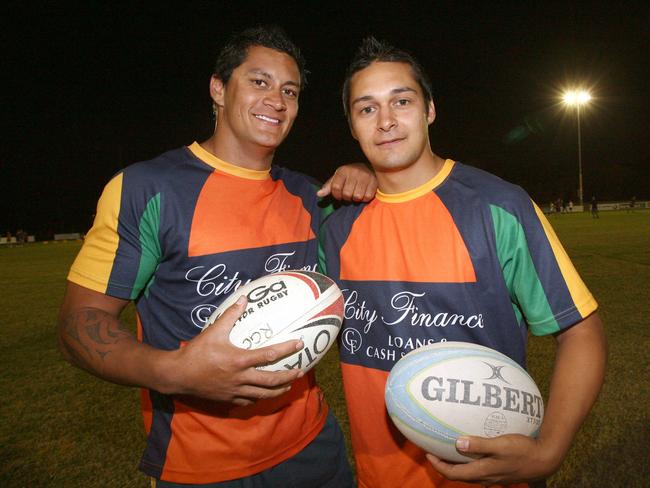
<point x="268" y="76"/>
<point x="394" y="91"/>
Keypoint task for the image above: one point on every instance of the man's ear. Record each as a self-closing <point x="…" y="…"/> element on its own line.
<point x="431" y="116"/>
<point x="217" y="90"/>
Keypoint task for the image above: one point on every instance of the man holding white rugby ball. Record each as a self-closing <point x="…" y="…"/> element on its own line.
<point x="447" y="252"/>
<point x="177" y="235"/>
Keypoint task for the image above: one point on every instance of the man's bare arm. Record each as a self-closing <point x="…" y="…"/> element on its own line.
<point x="90" y="330"/>
<point x="92" y="337"/>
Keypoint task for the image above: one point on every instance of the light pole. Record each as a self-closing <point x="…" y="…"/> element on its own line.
<point x="578" y="98"/>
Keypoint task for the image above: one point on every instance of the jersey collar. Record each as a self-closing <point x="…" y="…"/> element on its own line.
<point x="420" y="190"/>
<point x="220" y="165"/>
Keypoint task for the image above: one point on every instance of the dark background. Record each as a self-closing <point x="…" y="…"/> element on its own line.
<point x="88" y="88"/>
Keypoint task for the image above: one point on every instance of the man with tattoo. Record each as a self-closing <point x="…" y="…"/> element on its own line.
<point x="177" y="235"/>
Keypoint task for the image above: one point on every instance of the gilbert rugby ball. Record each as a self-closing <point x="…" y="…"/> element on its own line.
<point x="442" y="391"/>
<point x="288" y="305"/>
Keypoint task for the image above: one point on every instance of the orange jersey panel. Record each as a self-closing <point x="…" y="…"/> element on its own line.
<point x="222" y="221"/>
<point x="197" y="423"/>
<point x="435" y="254"/>
<point x="145" y="401"/>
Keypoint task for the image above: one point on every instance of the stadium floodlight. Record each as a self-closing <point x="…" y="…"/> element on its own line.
<point x="578" y="98"/>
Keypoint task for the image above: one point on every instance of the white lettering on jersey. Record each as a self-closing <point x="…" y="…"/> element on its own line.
<point x="218" y="281"/>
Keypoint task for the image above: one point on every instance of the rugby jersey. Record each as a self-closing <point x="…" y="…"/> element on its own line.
<point x="178" y="234"/>
<point x="464" y="257"/>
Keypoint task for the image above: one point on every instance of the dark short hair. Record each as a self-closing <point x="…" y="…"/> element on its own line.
<point x="371" y="50"/>
<point x="271" y="36"/>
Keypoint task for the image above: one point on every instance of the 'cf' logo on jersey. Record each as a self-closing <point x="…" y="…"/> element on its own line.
<point x="351" y="340"/>
<point x="201" y="314"/>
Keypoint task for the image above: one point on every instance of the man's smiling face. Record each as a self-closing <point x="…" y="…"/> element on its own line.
<point x="259" y="104"/>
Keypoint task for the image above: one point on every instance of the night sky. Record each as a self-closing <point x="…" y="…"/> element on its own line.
<point x="92" y="87"/>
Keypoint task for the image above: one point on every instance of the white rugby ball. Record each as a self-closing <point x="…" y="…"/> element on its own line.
<point x="288" y="305"/>
<point x="442" y="391"/>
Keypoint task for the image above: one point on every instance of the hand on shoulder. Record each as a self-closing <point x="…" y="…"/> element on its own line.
<point x="351" y="182"/>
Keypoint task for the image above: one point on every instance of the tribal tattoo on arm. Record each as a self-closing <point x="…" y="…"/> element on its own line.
<point x="90" y="335"/>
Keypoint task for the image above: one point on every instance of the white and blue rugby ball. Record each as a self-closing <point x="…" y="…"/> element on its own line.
<point x="442" y="391"/>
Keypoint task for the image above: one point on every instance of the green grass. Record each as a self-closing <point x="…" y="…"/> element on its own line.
<point x="613" y="256"/>
<point x="62" y="427"/>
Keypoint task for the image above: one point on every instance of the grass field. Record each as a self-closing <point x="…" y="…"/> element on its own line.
<point x="61" y="427"/>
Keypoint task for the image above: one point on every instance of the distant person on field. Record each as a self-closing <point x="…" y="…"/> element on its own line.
<point x="447" y="252"/>
<point x="594" y="208"/>
<point x="177" y="235"/>
<point x="21" y="237"/>
<point x="570" y="205"/>
<point x="632" y="203"/>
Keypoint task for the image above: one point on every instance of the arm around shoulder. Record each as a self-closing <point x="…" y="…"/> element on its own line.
<point x="353" y="182"/>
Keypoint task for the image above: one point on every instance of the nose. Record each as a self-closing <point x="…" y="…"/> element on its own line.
<point x="275" y="100"/>
<point x="386" y="121"/>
